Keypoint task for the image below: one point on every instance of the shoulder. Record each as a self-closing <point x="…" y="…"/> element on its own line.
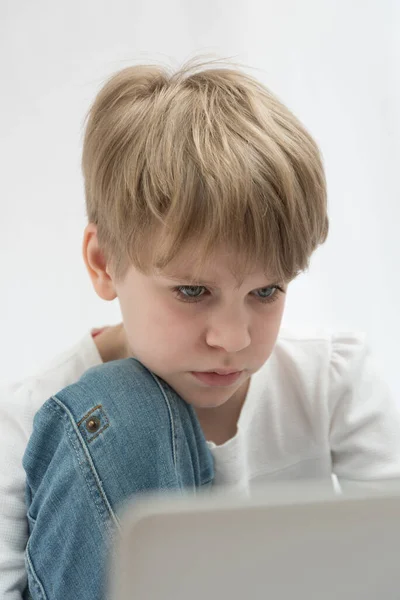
<point x="327" y="367"/>
<point x="21" y="400"/>
<point x="313" y="365"/>
<point x="319" y="347"/>
<point x="312" y="375"/>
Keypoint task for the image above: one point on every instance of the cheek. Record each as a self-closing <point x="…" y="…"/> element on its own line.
<point x="172" y="322"/>
<point x="266" y="330"/>
<point x="156" y="326"/>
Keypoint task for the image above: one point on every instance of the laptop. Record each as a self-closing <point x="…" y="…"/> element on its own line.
<point x="285" y="542"/>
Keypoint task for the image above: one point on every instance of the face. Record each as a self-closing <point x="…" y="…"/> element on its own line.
<point x="180" y="328"/>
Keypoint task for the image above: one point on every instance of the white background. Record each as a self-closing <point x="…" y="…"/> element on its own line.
<point x="336" y="64"/>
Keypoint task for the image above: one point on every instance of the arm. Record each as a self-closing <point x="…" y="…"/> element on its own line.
<point x="365" y="419"/>
<point x="145" y="438"/>
<point x="18" y="404"/>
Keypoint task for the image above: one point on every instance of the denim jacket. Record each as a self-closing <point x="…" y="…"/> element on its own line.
<point x="119" y="431"/>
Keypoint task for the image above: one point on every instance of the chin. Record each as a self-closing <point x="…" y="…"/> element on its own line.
<point x="208" y="402"/>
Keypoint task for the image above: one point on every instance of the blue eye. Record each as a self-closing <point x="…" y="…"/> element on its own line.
<point x="195" y="293"/>
<point x="189" y="293"/>
<point x="268" y="294"/>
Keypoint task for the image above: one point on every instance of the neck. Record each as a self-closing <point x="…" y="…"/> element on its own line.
<point x="219" y="424"/>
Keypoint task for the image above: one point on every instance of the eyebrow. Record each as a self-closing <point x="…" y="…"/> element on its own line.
<point x="201" y="282"/>
<point x="190" y="280"/>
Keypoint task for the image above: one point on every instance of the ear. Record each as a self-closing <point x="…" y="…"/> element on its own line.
<point x="96" y="264"/>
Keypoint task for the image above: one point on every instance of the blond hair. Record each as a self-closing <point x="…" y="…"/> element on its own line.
<point x="203" y="155"/>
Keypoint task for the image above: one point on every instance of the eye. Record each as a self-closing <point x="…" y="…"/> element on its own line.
<point x="195" y="293"/>
<point x="269" y="294"/>
<point x="189" y="293"/>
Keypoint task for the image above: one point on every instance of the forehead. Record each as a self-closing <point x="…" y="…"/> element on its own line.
<point x="223" y="266"/>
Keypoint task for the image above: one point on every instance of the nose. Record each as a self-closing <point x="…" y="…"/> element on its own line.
<point x="229" y="329"/>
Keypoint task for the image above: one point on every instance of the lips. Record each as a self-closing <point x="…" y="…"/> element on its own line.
<point x="223" y="371"/>
<point x="216" y="379"/>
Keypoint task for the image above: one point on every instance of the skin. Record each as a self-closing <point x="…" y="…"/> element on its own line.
<point x="112" y="344"/>
<point x="229" y="327"/>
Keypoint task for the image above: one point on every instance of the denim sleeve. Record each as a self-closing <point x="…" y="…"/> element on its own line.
<point x="118" y="432"/>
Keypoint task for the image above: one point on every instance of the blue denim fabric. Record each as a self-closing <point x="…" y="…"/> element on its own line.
<point x="119" y="431"/>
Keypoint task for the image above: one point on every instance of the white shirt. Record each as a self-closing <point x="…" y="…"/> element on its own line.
<point x="316" y="407"/>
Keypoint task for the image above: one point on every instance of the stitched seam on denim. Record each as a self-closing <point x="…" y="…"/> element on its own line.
<point x="98" y="433"/>
<point x="98" y="486"/>
<point x="98" y="501"/>
<point x="92" y="468"/>
<point x="89" y="413"/>
<point x="171" y="418"/>
<point x="36" y="579"/>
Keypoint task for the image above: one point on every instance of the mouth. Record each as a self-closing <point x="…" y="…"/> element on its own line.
<point x="223" y="371"/>
<point x="218" y="378"/>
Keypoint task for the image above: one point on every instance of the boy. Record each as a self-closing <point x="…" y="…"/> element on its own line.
<point x="206" y="198"/>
